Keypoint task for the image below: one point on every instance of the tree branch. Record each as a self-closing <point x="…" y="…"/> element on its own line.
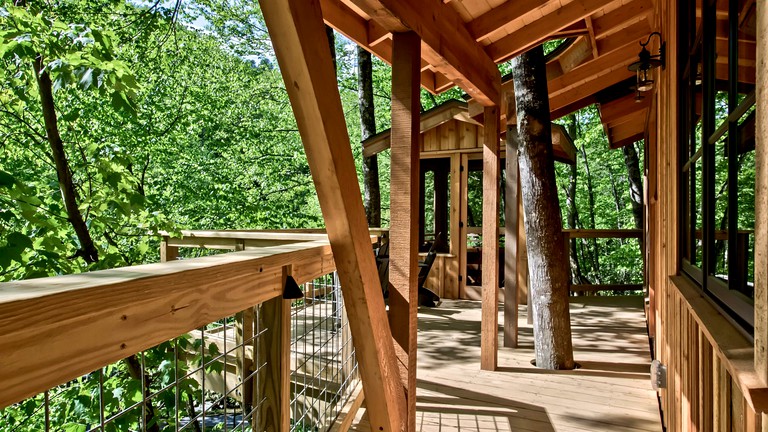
<point x="68" y="193"/>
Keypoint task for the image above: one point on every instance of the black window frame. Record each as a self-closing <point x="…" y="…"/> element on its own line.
<point x="697" y="43"/>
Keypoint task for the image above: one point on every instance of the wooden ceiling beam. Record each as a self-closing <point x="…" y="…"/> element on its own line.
<point x="446" y="43"/>
<point x="627" y="141"/>
<point x="579" y="28"/>
<point x="584" y="94"/>
<point x="628" y="129"/>
<point x="635" y="11"/>
<point x="636" y="32"/>
<point x="496" y="18"/>
<point x="618" y="110"/>
<point x="589" y="71"/>
<point x="538" y="31"/>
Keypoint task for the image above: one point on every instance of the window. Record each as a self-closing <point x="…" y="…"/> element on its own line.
<point x="717" y="142"/>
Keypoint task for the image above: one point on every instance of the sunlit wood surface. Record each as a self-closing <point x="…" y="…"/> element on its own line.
<point x="611" y="391"/>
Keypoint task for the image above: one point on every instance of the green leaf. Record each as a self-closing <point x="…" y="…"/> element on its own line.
<point x="6" y="180"/>
<point x="18" y="240"/>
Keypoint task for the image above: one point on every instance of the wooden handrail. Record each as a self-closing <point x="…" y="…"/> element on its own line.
<point x="603" y="233"/>
<point x="248" y="239"/>
<point x="56" y="329"/>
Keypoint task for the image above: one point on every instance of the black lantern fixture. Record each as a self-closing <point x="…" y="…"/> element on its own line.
<point x="646" y="63"/>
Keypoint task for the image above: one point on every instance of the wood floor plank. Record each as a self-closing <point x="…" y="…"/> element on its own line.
<point x="611" y="391"/>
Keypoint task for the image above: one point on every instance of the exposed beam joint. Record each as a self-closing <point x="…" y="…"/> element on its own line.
<point x="446" y="43"/>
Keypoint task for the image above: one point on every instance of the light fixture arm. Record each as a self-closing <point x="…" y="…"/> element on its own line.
<point x="649" y="39"/>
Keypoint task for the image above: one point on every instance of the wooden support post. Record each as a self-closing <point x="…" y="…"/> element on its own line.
<point x="454" y="266"/>
<point x="244" y="338"/>
<point x="275" y="412"/>
<point x="761" y="201"/>
<point x="168" y="253"/>
<point x="298" y="34"/>
<point x="404" y="200"/>
<point x="511" y="215"/>
<point x="489" y="333"/>
<point x="463" y="223"/>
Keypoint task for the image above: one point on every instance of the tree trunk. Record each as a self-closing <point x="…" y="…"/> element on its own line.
<point x="332" y="46"/>
<point x="616" y="198"/>
<point x="573" y="211"/>
<point x="371" y="191"/>
<point x="543" y="227"/>
<point x="87" y="249"/>
<point x="595" y="253"/>
<point x="632" y="161"/>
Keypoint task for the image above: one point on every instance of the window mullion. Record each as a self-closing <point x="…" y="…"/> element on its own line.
<point x="734" y="270"/>
<point x="709" y="23"/>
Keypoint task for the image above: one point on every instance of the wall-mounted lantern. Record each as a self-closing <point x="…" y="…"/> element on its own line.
<point x="645" y="64"/>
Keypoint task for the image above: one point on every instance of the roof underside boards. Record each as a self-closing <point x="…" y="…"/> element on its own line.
<point x="562" y="144"/>
<point x="462" y="39"/>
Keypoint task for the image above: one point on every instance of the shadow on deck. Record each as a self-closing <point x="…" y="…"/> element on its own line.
<point x="611" y="392"/>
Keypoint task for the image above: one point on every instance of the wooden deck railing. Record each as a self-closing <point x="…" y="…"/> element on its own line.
<point x="54" y="330"/>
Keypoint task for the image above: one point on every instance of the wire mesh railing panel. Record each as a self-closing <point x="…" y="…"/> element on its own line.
<point x="204" y="380"/>
<point x="324" y="369"/>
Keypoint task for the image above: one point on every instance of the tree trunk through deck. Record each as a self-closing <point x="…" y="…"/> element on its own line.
<point x="371" y="190"/>
<point x="547" y="260"/>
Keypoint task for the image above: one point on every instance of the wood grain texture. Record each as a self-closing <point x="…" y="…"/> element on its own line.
<point x="404" y="203"/>
<point x="761" y="197"/>
<point x="610" y="393"/>
<point x="168" y="252"/>
<point x="539" y="30"/>
<point x="275" y="412"/>
<point x="47" y="324"/>
<point x="453" y="268"/>
<point x="298" y="34"/>
<point x="490" y="267"/>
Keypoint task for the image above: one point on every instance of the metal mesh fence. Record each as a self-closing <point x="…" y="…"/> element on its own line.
<point x="202" y="380"/>
<point x="324" y="368"/>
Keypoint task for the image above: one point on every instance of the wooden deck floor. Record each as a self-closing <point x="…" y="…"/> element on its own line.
<point x="611" y="391"/>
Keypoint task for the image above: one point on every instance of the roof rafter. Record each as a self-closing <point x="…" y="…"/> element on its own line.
<point x="540" y="30"/>
<point x="446" y="43"/>
<point x="498" y="17"/>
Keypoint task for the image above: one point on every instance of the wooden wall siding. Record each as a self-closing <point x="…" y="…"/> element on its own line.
<point x="715" y="381"/>
<point x="452" y="136"/>
<point x="443" y="278"/>
<point x="702" y="393"/>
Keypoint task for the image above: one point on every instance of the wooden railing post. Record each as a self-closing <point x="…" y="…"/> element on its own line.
<point x="168" y="253"/>
<point x="275" y="413"/>
<point x="489" y="325"/>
